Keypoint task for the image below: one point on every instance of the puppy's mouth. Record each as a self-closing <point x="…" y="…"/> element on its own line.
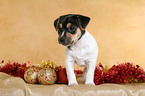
<point x="65" y="44"/>
<point x="66" y="41"/>
<point x="70" y="43"/>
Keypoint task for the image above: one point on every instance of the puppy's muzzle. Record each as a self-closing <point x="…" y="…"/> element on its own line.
<point x="62" y="40"/>
<point x="66" y="41"/>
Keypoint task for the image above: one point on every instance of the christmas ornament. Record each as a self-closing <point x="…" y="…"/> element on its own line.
<point x="63" y="76"/>
<point x="99" y="75"/>
<point x="30" y="75"/>
<point x="57" y="70"/>
<point x="15" y="69"/>
<point x="125" y="73"/>
<point x="121" y="73"/>
<point x="47" y="64"/>
<point x="47" y="76"/>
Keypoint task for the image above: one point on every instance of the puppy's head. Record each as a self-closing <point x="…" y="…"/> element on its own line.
<point x="70" y="28"/>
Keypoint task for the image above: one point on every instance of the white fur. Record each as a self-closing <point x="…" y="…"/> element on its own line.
<point x="84" y="52"/>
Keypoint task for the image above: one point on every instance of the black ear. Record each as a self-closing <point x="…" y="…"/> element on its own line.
<point x="56" y="23"/>
<point x="83" y="21"/>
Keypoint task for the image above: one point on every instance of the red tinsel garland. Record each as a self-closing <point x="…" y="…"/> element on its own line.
<point x="125" y="73"/>
<point x="15" y="69"/>
<point x="121" y="73"/>
<point x="98" y="76"/>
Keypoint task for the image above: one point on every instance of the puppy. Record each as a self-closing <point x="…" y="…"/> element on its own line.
<point x="81" y="46"/>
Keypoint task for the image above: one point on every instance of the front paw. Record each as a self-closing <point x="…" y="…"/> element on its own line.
<point x="72" y="83"/>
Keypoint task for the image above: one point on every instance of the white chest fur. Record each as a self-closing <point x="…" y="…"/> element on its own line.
<point x="83" y="50"/>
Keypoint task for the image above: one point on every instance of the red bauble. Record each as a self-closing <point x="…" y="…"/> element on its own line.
<point x="63" y="76"/>
<point x="57" y="70"/>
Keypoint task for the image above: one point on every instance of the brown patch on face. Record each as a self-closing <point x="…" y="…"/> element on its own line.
<point x="60" y="25"/>
<point x="74" y="37"/>
<point x="68" y="25"/>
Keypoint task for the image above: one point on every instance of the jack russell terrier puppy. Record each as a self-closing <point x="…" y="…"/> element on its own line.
<point x="81" y="46"/>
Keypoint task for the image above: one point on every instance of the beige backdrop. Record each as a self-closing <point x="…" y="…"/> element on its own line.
<point x="27" y="31"/>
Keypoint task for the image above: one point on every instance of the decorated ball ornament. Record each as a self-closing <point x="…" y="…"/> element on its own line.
<point x="30" y="75"/>
<point x="47" y="76"/>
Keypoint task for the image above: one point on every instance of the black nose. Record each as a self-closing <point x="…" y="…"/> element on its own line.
<point x="62" y="39"/>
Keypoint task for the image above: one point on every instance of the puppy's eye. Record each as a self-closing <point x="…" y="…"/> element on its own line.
<point x="60" y="29"/>
<point x="72" y="28"/>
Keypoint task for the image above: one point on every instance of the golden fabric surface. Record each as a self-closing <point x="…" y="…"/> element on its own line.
<point x="27" y="31"/>
<point x="15" y="86"/>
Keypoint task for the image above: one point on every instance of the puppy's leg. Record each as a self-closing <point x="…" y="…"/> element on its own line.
<point x="84" y="74"/>
<point x="69" y="64"/>
<point x="90" y="73"/>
